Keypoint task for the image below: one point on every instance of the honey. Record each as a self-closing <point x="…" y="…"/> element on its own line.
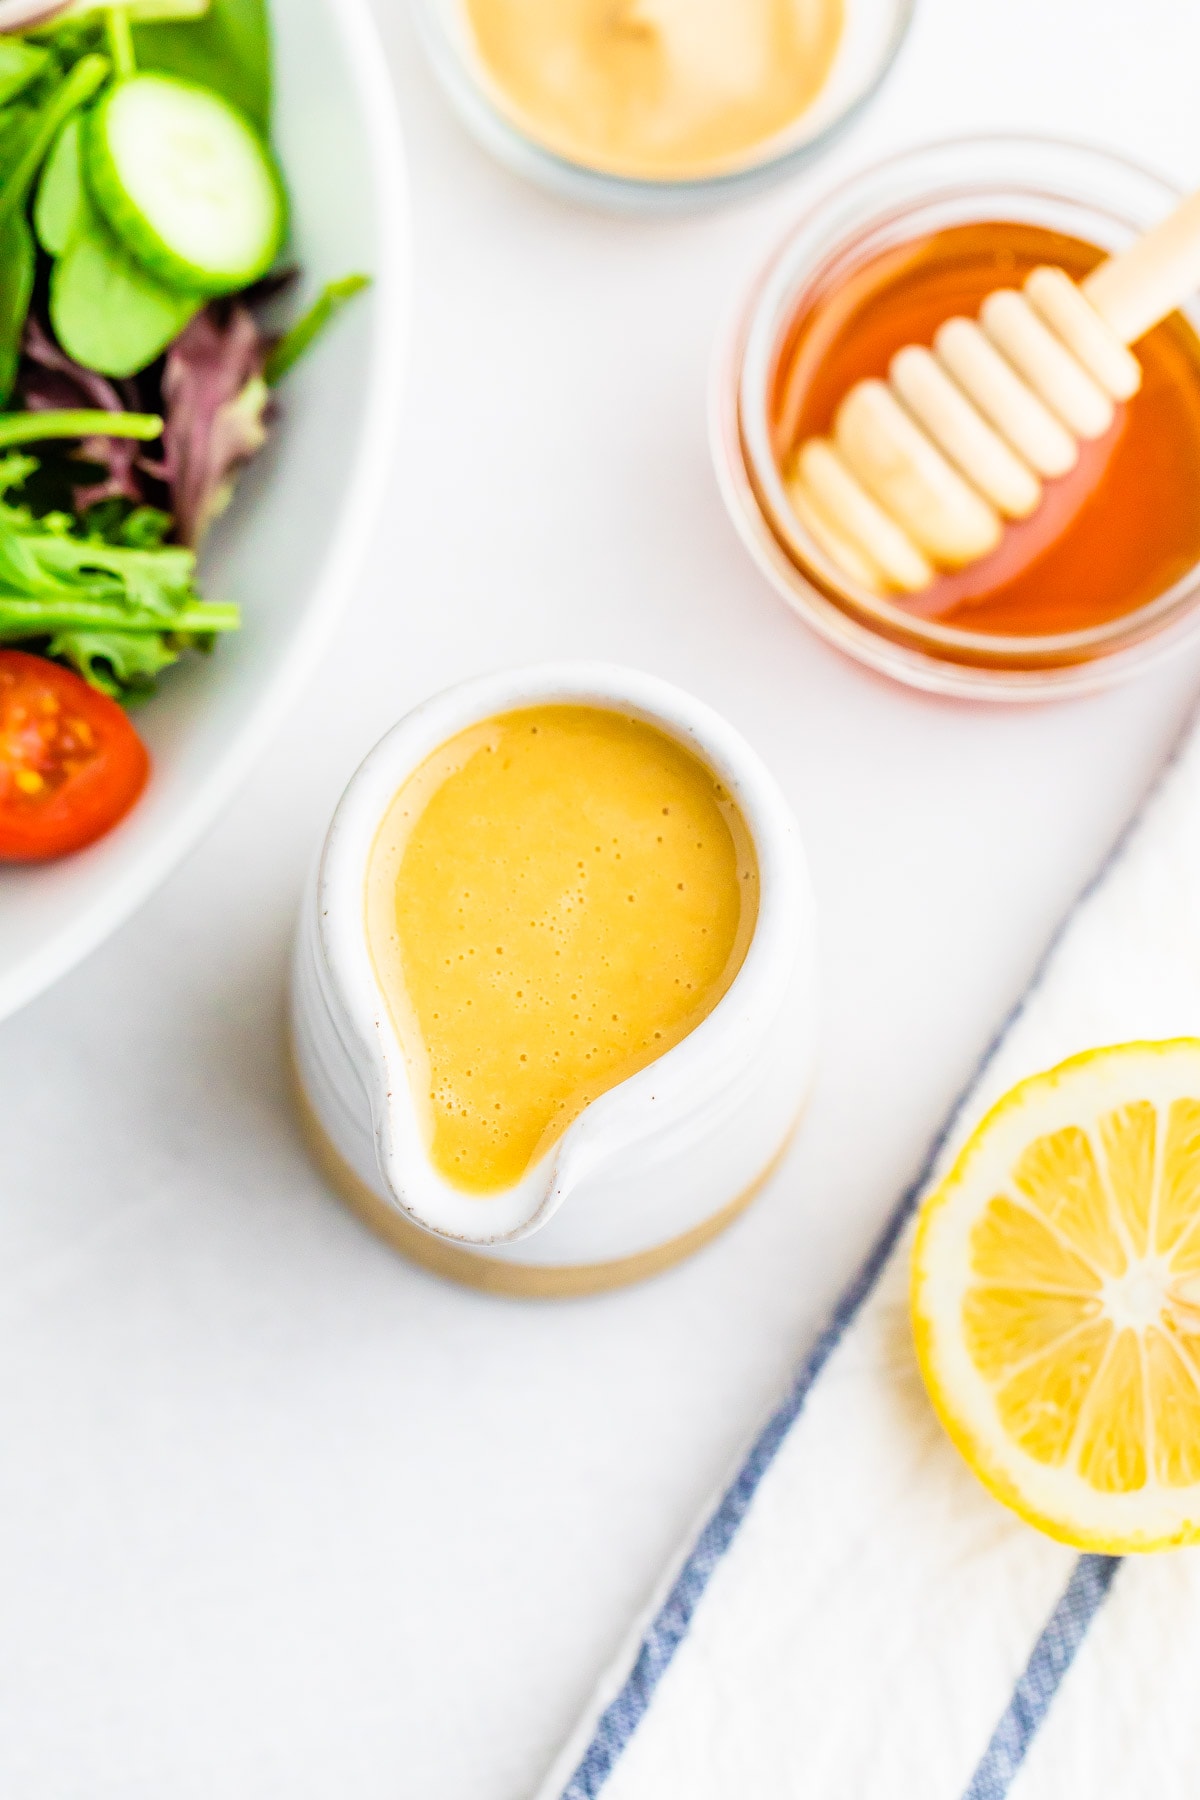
<point x="1109" y="537"/>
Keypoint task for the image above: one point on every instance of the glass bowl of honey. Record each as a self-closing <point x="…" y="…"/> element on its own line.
<point x="1100" y="580"/>
<point x="658" y="105"/>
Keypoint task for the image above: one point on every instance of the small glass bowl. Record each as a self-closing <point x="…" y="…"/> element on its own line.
<point x="1072" y="188"/>
<point x="872" y="35"/>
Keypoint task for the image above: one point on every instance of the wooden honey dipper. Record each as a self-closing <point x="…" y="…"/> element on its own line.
<point x="920" y="472"/>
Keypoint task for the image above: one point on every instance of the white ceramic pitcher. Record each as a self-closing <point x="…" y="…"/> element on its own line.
<point x="651" y="1169"/>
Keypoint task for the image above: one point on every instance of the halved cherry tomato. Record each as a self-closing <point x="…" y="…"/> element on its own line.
<point x="71" y="764"/>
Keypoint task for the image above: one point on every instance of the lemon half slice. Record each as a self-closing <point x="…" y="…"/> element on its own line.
<point x="1056" y="1298"/>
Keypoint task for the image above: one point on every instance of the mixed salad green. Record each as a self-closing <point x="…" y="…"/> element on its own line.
<point x="142" y="221"/>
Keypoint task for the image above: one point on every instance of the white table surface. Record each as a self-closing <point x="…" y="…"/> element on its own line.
<point x="279" y="1515"/>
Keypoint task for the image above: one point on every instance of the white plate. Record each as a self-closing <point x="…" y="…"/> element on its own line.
<point x="289" y="548"/>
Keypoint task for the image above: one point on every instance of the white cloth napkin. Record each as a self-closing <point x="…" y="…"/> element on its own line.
<point x="857" y="1619"/>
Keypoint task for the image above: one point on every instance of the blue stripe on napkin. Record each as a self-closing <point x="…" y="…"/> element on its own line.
<point x="1052" y="1656"/>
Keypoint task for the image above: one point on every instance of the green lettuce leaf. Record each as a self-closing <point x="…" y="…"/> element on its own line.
<point x="20" y="64"/>
<point x="106" y="596"/>
<point x="121" y="663"/>
<point x="229" y="49"/>
<point x="18" y="262"/>
<point x="18" y="172"/>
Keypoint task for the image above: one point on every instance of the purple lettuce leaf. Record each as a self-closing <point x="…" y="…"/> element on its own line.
<point x="216" y="405"/>
<point x="49" y="381"/>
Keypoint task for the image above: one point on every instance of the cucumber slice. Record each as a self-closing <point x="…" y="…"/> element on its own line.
<point x="186" y="183"/>
<point x="57" y="209"/>
<point x="107" y="312"/>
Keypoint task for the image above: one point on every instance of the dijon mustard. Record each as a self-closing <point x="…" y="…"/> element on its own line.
<point x="669" y="90"/>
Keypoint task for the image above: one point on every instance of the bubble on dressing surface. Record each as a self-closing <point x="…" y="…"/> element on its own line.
<point x="569" y="904"/>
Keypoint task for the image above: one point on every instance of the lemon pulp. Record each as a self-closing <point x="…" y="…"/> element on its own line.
<point x="1056" y="1297"/>
<point x="555" y="898"/>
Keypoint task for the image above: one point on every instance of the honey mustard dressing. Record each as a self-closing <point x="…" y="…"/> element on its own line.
<point x="657" y="89"/>
<point x="554" y="899"/>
